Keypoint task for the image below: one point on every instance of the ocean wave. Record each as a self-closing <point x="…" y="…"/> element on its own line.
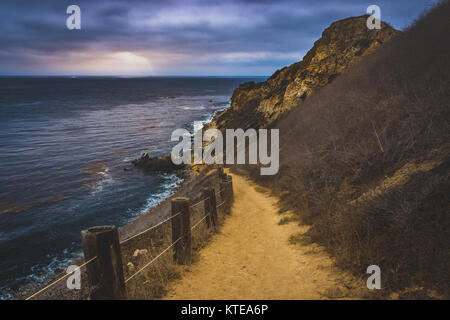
<point x="198" y="125"/>
<point x="100" y="173"/>
<point x="171" y="181"/>
<point x="98" y="187"/>
<point x="40" y="274"/>
<point x="192" y="108"/>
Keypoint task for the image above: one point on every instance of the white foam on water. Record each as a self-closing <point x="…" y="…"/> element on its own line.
<point x="171" y="181"/>
<point x="193" y="108"/>
<point x="41" y="274"/>
<point x="198" y="125"/>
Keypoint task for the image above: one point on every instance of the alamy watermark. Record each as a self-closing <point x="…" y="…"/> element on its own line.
<point x="374" y="281"/>
<point x="374" y="20"/>
<point x="74" y="280"/>
<point x="213" y="151"/>
<point x="73" y="22"/>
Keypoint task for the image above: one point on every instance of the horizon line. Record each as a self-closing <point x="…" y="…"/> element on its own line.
<point x="130" y="76"/>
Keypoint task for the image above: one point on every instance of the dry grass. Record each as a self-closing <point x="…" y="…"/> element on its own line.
<point x="153" y="283"/>
<point x="366" y="161"/>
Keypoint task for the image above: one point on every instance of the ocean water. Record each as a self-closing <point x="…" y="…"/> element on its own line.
<point x="64" y="145"/>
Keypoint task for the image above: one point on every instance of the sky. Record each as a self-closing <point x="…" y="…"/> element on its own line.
<point x="174" y="37"/>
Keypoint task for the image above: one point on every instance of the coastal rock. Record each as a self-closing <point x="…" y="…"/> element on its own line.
<point x="256" y="105"/>
<point x="156" y="164"/>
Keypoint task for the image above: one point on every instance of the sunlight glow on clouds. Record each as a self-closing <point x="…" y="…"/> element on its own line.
<point x="173" y="37"/>
<point x="129" y="61"/>
<point x="124" y="63"/>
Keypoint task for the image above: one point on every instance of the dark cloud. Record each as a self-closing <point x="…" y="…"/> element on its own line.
<point x="175" y="37"/>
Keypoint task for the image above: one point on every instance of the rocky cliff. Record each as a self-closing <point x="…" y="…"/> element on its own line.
<point x="342" y="43"/>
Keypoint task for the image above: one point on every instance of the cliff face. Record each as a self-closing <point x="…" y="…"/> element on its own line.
<point x="342" y="43"/>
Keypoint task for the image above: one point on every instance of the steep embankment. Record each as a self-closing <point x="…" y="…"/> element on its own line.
<point x="366" y="159"/>
<point x="251" y="258"/>
<point x="344" y="42"/>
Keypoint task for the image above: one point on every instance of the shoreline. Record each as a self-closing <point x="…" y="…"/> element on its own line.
<point x="190" y="187"/>
<point x="149" y="217"/>
<point x="186" y="175"/>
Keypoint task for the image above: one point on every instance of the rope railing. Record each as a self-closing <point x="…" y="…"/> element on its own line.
<point x="121" y="243"/>
<point x="150" y="228"/>
<point x="173" y="243"/>
<point x="153" y="260"/>
<point x="60" y="279"/>
<point x="109" y="269"/>
<point x="201" y="201"/>
<point x="221" y="204"/>
<point x="160" y="223"/>
<point x="198" y="222"/>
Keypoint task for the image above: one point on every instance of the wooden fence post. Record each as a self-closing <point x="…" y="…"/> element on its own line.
<point x="224" y="190"/>
<point x="206" y="196"/>
<point x="230" y="188"/>
<point x="210" y="206"/>
<point x="226" y="186"/>
<point x="105" y="274"/>
<point x="214" y="216"/>
<point x="222" y="174"/>
<point x="181" y="227"/>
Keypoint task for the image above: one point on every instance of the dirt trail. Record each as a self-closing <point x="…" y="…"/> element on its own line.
<point x="251" y="258"/>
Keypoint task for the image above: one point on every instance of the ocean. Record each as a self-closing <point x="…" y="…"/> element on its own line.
<point x="65" y="151"/>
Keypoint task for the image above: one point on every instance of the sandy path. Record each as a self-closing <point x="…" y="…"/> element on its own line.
<point x="251" y="258"/>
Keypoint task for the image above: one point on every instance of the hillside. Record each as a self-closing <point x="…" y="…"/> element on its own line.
<point x="365" y="160"/>
<point x="242" y="261"/>
<point x="341" y="44"/>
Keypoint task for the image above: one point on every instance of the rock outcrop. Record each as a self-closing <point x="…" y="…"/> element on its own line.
<point x="156" y="164"/>
<point x="258" y="105"/>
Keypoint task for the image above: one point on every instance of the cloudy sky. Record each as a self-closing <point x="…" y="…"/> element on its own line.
<point x="173" y="37"/>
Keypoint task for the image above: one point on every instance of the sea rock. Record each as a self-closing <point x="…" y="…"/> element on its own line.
<point x="157" y="164"/>
<point x="256" y="105"/>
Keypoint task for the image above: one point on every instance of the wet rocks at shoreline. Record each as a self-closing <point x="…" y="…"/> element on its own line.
<point x="157" y="164"/>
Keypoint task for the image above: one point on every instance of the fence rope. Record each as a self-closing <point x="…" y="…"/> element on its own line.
<point x="150" y="228"/>
<point x="157" y="225"/>
<point x="153" y="260"/>
<point x="130" y="238"/>
<point x="194" y="205"/>
<point x="220" y="204"/>
<point x="195" y="225"/>
<point x="60" y="279"/>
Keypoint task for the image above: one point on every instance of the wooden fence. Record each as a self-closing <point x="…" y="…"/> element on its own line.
<point x="102" y="248"/>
